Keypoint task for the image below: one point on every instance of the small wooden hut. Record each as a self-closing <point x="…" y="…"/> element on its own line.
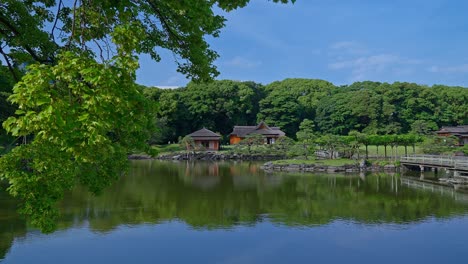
<point x="205" y="138"/>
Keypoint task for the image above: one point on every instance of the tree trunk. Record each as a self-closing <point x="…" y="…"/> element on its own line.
<point x="305" y="151"/>
<point x="367" y="151"/>
<point x="385" y="146"/>
<point x="406" y="151"/>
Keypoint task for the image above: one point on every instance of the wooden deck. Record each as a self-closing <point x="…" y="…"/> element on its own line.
<point x="435" y="161"/>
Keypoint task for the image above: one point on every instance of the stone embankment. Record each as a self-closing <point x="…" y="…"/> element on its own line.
<point x="270" y="166"/>
<point x="207" y="155"/>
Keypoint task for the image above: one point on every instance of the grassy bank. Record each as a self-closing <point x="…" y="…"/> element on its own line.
<point x="326" y="162"/>
<point x="333" y="162"/>
<point x="168" y="148"/>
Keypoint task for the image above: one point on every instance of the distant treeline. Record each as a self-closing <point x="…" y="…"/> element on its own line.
<point x="367" y="107"/>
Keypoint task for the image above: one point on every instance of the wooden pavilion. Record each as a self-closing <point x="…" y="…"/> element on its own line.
<point x="461" y="132"/>
<point x="208" y="139"/>
<point x="270" y="133"/>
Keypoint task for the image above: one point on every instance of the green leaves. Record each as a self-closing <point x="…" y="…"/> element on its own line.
<point x="85" y="115"/>
<point x="289" y="101"/>
<point x="85" y="118"/>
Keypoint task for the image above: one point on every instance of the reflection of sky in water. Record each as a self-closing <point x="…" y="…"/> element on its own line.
<point x="432" y="241"/>
<point x="236" y="213"/>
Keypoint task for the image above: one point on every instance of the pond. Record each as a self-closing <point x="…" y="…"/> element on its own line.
<point x="226" y="212"/>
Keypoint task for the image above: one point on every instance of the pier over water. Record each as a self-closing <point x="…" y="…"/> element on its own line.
<point x="457" y="164"/>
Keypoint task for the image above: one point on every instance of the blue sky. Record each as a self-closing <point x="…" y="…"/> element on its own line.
<point x="341" y="41"/>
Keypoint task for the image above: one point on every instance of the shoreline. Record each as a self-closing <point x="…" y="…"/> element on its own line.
<point x="270" y="167"/>
<point x="206" y="155"/>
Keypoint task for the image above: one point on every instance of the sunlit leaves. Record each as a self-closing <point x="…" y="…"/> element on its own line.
<point x="85" y="117"/>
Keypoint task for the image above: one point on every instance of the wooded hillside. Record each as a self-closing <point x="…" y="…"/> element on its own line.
<point x="369" y="107"/>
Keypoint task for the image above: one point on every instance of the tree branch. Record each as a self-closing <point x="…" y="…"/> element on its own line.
<point x="10" y="67"/>
<point x="100" y="50"/>
<point x="56" y="19"/>
<point x="165" y="24"/>
<point x="17" y="34"/>
<point x="73" y="24"/>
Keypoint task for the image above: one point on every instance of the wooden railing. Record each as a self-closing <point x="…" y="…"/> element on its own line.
<point x="453" y="162"/>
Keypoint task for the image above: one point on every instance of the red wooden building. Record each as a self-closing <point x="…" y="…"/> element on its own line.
<point x="270" y="133"/>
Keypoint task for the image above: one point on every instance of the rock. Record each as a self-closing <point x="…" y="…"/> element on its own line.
<point x="362" y="164"/>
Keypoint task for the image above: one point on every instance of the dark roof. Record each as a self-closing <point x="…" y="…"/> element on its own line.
<point x="454" y="130"/>
<point x="262" y="128"/>
<point x="205" y="134"/>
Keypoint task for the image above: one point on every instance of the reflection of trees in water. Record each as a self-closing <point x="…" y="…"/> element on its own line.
<point x="221" y="195"/>
<point x="166" y="191"/>
<point x="10" y="229"/>
<point x="11" y="226"/>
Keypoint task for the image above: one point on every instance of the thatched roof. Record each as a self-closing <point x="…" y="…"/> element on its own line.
<point x="204" y="134"/>
<point x="458" y="130"/>
<point x="262" y="128"/>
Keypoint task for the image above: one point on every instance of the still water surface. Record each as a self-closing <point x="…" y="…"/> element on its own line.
<point x="165" y="212"/>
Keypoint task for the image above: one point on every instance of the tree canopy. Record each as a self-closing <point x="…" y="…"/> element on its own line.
<point x="365" y="107"/>
<point x="37" y="31"/>
<point x="74" y="63"/>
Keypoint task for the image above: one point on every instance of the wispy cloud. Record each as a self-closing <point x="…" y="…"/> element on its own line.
<point x="241" y="62"/>
<point x="364" y="63"/>
<point x="348" y="47"/>
<point x="366" y="66"/>
<point x="463" y="68"/>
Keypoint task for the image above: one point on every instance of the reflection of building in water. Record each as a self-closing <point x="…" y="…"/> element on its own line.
<point x="253" y="168"/>
<point x="199" y="169"/>
<point x="248" y="175"/>
<point x="244" y="167"/>
<point x="203" y="175"/>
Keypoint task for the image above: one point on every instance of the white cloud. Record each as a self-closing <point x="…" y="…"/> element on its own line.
<point x="348" y="47"/>
<point x="364" y="63"/>
<point x="167" y="86"/>
<point x="241" y="62"/>
<point x="367" y="66"/>
<point x="463" y="68"/>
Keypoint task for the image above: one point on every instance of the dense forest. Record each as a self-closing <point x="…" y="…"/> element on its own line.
<point x="367" y="107"/>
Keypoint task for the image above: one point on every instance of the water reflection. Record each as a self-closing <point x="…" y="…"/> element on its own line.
<point x="224" y="195"/>
<point x="436" y="181"/>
